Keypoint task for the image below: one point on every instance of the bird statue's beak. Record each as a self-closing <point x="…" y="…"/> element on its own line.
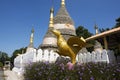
<point x="56" y="32"/>
<point x="83" y="39"/>
<point x="53" y="31"/>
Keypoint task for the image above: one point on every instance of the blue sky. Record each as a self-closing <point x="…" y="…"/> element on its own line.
<point x="18" y="16"/>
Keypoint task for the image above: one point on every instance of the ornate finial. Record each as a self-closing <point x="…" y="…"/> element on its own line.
<point x="52" y="10"/>
<point x="96" y="29"/>
<point x="31" y="40"/>
<point x="51" y="17"/>
<point x="32" y="30"/>
<point x="62" y="3"/>
<point x="31" y="37"/>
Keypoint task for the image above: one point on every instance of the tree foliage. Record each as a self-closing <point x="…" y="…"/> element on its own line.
<point x="81" y="31"/>
<point x="103" y="30"/>
<point x="117" y="22"/>
<point x="3" y="57"/>
<point x="1" y="64"/>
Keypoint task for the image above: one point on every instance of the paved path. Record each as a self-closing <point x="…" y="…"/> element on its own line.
<point x="2" y="75"/>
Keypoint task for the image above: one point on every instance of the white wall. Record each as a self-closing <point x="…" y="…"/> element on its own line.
<point x="50" y="56"/>
<point x="95" y="57"/>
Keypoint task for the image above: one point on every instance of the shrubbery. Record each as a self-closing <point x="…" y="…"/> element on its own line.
<point x="62" y="71"/>
<point x="1" y="64"/>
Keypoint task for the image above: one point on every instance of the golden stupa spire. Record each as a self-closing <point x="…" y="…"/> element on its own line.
<point x="31" y="41"/>
<point x="62" y="3"/>
<point x="32" y="36"/>
<point x="51" y="17"/>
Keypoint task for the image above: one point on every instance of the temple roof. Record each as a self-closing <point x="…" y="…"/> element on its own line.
<point x="106" y="33"/>
<point x="63" y="16"/>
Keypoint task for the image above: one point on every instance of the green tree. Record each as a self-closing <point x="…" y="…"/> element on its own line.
<point x="4" y="57"/>
<point x="1" y="65"/>
<point x="81" y="31"/>
<point x="117" y="22"/>
<point x="103" y="30"/>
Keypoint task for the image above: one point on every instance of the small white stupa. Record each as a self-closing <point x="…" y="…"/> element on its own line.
<point x="31" y="46"/>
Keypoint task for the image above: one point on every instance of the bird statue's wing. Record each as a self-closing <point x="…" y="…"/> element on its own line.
<point x="76" y="43"/>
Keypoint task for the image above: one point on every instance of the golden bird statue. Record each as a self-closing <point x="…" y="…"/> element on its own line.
<point x="69" y="48"/>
